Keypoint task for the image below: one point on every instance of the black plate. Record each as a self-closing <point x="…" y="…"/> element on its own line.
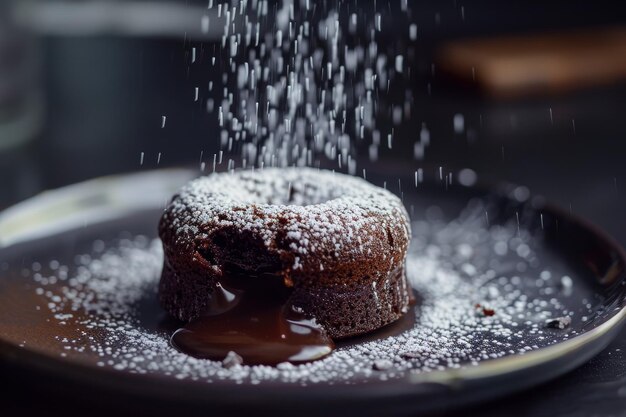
<point x="51" y="229"/>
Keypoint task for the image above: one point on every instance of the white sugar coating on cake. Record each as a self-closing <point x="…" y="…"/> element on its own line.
<point x="318" y="211"/>
<point x="474" y="304"/>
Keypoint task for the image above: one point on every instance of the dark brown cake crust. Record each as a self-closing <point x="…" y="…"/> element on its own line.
<point x="339" y="242"/>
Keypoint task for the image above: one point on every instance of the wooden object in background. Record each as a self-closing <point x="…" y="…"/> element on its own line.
<point x="513" y="66"/>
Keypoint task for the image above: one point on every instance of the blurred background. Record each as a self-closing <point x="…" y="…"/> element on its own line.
<point x="517" y="91"/>
<point x="528" y="92"/>
<point x="522" y="91"/>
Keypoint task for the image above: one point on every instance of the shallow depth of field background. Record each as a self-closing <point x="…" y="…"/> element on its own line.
<point x="77" y="102"/>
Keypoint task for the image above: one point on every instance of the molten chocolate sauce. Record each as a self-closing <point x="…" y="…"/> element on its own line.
<point x="251" y="316"/>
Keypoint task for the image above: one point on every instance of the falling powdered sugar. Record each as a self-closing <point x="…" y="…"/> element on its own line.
<point x="296" y="85"/>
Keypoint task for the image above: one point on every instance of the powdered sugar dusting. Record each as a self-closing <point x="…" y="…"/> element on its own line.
<point x="320" y="211"/>
<point x="474" y="287"/>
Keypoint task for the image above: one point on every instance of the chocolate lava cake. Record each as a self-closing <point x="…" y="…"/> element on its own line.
<point x="336" y="243"/>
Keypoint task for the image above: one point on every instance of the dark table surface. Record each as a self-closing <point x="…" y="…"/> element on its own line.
<point x="583" y="168"/>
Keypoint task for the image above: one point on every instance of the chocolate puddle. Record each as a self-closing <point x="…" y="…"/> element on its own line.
<point x="251" y="316"/>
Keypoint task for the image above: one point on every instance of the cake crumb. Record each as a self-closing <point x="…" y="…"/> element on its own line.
<point x="559" y="322"/>
<point x="411" y="355"/>
<point x="231" y="360"/>
<point x="382" y="364"/>
<point x="485" y="311"/>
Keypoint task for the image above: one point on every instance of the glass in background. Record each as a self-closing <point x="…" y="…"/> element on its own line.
<point x="21" y="102"/>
